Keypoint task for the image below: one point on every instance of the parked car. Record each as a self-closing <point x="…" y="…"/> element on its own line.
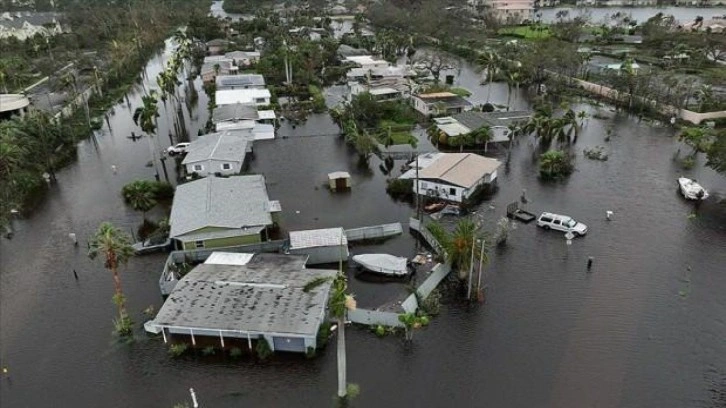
<point x="563" y="223"/>
<point x="151" y="245"/>
<point x="179" y="148"/>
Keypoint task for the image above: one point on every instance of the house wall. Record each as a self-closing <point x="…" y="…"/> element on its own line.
<point x="421" y="106"/>
<point x="224" y="242"/>
<point x="323" y="255"/>
<point x="211" y="167"/>
<point x="443" y="191"/>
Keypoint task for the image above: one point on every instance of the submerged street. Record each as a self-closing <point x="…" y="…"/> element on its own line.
<point x="644" y="328"/>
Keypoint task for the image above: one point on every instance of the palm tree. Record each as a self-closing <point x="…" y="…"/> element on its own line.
<point x="12" y="150"/>
<point x="554" y="164"/>
<point x="458" y="244"/>
<point x="513" y="79"/>
<point x="627" y="68"/>
<point x="339" y="304"/>
<point x="145" y="117"/>
<point x="489" y="60"/>
<point x="70" y="81"/>
<point x="115" y="247"/>
<point x="141" y="195"/>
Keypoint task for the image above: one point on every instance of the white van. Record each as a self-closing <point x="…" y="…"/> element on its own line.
<point x="563" y="223"/>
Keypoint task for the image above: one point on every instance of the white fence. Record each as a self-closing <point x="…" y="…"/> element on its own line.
<point x="438" y="273"/>
<point x="374" y="232"/>
<point x="374" y="317"/>
<point x="415" y="225"/>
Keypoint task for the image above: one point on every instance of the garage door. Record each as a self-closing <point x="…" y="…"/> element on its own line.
<point x="296" y="344"/>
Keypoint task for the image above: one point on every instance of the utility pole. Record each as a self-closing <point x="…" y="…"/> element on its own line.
<point x="471" y="267"/>
<point x="481" y="259"/>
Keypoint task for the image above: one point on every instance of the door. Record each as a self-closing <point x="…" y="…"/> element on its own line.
<point x="340" y="184"/>
<point x="294" y="344"/>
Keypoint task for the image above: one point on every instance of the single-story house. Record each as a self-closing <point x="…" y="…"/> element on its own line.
<point x="234" y="113"/>
<point x="245" y="117"/>
<point x="241" y="81"/>
<point x="467" y="122"/>
<point x="618" y="67"/>
<point x="451" y="176"/>
<point x="24" y="24"/>
<point x="321" y="246"/>
<point x="380" y="72"/>
<point x="211" y="70"/>
<point x="246" y="298"/>
<point x="366" y="61"/>
<point x="219" y="154"/>
<point x="259" y="97"/>
<point x="215" y="212"/>
<point x="348" y="51"/>
<point x="390" y="87"/>
<point x="440" y="103"/>
<point x="243" y="58"/>
<point x="259" y="131"/>
<point x="217" y="46"/>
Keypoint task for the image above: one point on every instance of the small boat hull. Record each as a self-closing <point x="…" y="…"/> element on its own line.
<point x="691" y="190"/>
<point x="383" y="264"/>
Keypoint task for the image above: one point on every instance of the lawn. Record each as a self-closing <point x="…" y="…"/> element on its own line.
<point x="527" y="32"/>
<point x="400" y="132"/>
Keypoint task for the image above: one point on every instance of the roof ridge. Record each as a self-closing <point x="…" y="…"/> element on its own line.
<point x="463" y="157"/>
<point x="216" y="145"/>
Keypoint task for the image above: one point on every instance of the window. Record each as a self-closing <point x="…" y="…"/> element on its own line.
<point x="452" y="191"/>
<point x="226" y="166"/>
<point x="556" y="222"/>
<point x="546" y="219"/>
<point x="260" y="100"/>
<point x="199" y="244"/>
<point x="198" y="167"/>
<point x="423" y="184"/>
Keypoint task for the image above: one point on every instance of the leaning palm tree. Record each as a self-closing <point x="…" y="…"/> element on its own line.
<point x="141" y="195"/>
<point x="115" y="246"/>
<point x="458" y="244"/>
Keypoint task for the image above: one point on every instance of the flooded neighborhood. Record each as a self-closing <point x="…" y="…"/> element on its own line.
<point x="351" y="203"/>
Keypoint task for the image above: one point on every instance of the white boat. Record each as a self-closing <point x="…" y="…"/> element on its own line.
<point x="383" y="263"/>
<point x="692" y="190"/>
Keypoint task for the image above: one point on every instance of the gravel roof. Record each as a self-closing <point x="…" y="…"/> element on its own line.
<point x="264" y="296"/>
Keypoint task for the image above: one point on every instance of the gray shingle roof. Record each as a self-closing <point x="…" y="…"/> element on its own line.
<point x="264" y="296"/>
<point x="474" y="120"/>
<point x="17" y="19"/>
<point x="248" y="80"/>
<point x="227" y="203"/>
<point x="318" y="238"/>
<point x="217" y="146"/>
<point x="235" y="111"/>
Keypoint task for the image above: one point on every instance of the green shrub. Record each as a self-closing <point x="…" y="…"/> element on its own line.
<point x="323" y="334"/>
<point x="163" y="191"/>
<point x="176" y="350"/>
<point x="400" y="188"/>
<point x="209" y="351"/>
<point x="688" y="162"/>
<point x="310" y="352"/>
<point x="555" y="164"/>
<point x="263" y="349"/>
<point x="380" y="331"/>
<point x="235" y="352"/>
<point x="123" y="326"/>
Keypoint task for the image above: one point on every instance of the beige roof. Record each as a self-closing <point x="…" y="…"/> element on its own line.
<point x="437" y="95"/>
<point x="461" y="169"/>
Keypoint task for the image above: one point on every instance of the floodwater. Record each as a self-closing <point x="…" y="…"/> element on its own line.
<point x="641" y="14"/>
<point x="644" y="328"/>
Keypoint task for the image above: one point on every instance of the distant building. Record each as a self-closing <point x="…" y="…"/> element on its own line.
<point x="215" y="212"/>
<point x="440" y="103"/>
<point x="467" y="122"/>
<point x="243" y="58"/>
<point x="217" y="46"/>
<point x="507" y="11"/>
<point x="452" y="177"/>
<point x="23" y="25"/>
<point x="236" y="299"/>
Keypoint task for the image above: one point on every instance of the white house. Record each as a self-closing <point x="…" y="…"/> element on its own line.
<point x="24" y="25"/>
<point x="220" y="153"/>
<point x="467" y="122"/>
<point x="451" y="176"/>
<point x="366" y="61"/>
<point x="259" y="97"/>
<point x="440" y="103"/>
<point x="243" y="58"/>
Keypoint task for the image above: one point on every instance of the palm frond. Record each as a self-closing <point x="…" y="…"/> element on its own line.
<point x="314" y="283"/>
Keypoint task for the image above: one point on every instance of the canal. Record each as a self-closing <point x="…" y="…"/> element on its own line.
<point x="644" y="328"/>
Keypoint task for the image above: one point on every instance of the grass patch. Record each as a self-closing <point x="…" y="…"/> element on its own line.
<point x="527" y="32"/>
<point x="400" y="132"/>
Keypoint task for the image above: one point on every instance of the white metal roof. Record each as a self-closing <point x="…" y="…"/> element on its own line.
<point x="266" y="114"/>
<point x="338" y="174"/>
<point x="318" y="238"/>
<point x="228" y="258"/>
<point x="383" y="91"/>
<point x="231" y="96"/>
